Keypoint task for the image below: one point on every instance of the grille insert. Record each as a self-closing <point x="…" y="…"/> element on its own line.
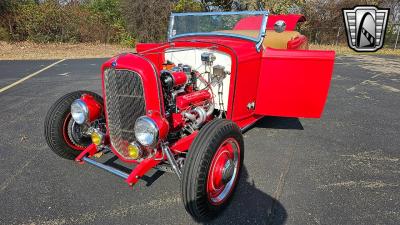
<point x="124" y="104"/>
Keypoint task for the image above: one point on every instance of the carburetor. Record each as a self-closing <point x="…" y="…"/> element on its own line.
<point x="218" y="74"/>
<point x="208" y="58"/>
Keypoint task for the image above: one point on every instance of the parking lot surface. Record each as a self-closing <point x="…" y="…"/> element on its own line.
<point x="341" y="169"/>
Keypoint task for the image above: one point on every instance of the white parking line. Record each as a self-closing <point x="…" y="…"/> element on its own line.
<point x="29" y="76"/>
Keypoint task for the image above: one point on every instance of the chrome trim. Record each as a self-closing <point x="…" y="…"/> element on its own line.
<point x="262" y="32"/>
<point x="153" y="124"/>
<point x="107" y="168"/>
<point x="83" y="105"/>
<point x="170" y="26"/>
<point x="171" y="160"/>
<point x="280" y="26"/>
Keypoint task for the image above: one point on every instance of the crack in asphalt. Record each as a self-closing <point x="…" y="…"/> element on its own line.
<point x="279" y="187"/>
<point x="11" y="178"/>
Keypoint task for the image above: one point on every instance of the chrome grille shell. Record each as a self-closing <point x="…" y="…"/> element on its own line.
<point x="124" y="103"/>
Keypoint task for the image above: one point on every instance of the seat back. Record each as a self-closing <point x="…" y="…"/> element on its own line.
<point x="272" y="38"/>
<point x="277" y="40"/>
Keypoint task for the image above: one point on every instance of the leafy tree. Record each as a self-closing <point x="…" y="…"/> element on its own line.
<point x="147" y="20"/>
<point x="109" y="9"/>
<point x="188" y="6"/>
<point x="220" y="5"/>
<point x="110" y="14"/>
<point x="274" y="6"/>
<point x="8" y="11"/>
<point x="122" y="21"/>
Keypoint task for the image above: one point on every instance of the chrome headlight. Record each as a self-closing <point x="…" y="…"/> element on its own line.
<point x="146" y="131"/>
<point x="79" y="111"/>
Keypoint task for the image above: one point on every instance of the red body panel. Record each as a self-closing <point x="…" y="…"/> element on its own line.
<point x="148" y="73"/>
<point x="254" y="22"/>
<point x="153" y="53"/>
<point x="89" y="151"/>
<point x="183" y="144"/>
<point x="294" y="83"/>
<point x="162" y="124"/>
<point x="94" y="107"/>
<point x="291" y="21"/>
<point x="141" y="169"/>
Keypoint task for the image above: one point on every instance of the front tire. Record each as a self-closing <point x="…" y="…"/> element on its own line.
<point x="59" y="128"/>
<point x="212" y="169"/>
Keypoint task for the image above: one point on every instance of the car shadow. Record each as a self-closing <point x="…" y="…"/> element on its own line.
<point x="273" y="122"/>
<point x="251" y="206"/>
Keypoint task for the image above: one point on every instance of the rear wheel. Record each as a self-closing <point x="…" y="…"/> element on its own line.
<point x="65" y="137"/>
<point x="212" y="169"/>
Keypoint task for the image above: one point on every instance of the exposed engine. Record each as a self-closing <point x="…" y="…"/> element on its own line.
<point x="188" y="95"/>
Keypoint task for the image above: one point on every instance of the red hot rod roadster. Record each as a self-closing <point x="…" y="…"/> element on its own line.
<point x="182" y="105"/>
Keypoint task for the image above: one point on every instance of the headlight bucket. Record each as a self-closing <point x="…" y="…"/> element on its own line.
<point x="79" y="111"/>
<point x="85" y="109"/>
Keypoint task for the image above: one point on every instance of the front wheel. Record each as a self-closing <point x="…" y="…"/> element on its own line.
<point x="65" y="137"/>
<point x="212" y="169"/>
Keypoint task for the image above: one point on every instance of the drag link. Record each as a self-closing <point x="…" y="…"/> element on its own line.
<point x="172" y="160"/>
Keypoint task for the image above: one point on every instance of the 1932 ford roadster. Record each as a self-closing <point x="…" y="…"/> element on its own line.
<point x="183" y="105"/>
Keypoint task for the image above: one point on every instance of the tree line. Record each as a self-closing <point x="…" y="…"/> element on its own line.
<point x="129" y="21"/>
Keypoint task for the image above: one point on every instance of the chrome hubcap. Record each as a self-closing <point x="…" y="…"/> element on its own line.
<point x="227" y="171"/>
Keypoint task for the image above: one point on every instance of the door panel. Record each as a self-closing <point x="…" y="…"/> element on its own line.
<point x="294" y="83"/>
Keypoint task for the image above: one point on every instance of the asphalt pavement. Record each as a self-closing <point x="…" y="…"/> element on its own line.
<point x="341" y="169"/>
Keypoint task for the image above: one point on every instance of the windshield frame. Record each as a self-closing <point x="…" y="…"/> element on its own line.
<point x="257" y="40"/>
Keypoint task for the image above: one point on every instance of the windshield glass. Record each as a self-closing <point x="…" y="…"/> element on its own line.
<point x="246" y="24"/>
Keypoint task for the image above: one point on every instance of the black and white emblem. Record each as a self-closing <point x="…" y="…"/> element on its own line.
<point x="365" y="27"/>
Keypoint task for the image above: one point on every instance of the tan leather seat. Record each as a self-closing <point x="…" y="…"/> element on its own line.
<point x="272" y="39"/>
